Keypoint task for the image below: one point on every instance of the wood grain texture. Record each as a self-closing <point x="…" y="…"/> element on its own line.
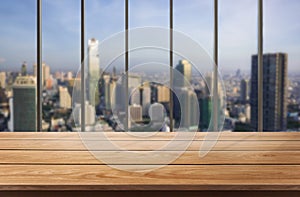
<point x="256" y="136"/>
<point x="202" y="177"/>
<point x="238" y="162"/>
<point x="39" y="157"/>
<point x="228" y="145"/>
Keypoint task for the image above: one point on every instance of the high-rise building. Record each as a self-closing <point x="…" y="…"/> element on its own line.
<point x="118" y="103"/>
<point x="24" y="69"/>
<point x="65" y="100"/>
<point x="24" y="104"/>
<point x="194" y="111"/>
<point x="244" y="91"/>
<point x="248" y="112"/>
<point x="134" y="81"/>
<point x="135" y="96"/>
<point x="89" y="114"/>
<point x="46" y="73"/>
<point x="11" y="109"/>
<point x="163" y="94"/>
<point x="186" y="109"/>
<point x="112" y="97"/>
<point x="2" y="79"/>
<point x="209" y="90"/>
<point x="93" y="71"/>
<point x="141" y="96"/>
<point x="146" y="98"/>
<point x="134" y="114"/>
<point x="183" y="74"/>
<point x="209" y="87"/>
<point x="4" y="111"/>
<point x="274" y="92"/>
<point x="205" y="112"/>
<point x="69" y="75"/>
<point x="107" y="88"/>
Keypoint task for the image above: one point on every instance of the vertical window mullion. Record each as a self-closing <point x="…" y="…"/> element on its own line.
<point x="215" y="78"/>
<point x="260" y="66"/>
<point x="39" y="65"/>
<point x="126" y="65"/>
<point x="171" y="65"/>
<point x="82" y="73"/>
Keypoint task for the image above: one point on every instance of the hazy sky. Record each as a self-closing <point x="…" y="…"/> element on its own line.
<point x="61" y="28"/>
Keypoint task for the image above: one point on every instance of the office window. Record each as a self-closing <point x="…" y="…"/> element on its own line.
<point x="149" y="75"/>
<point x="282" y="49"/>
<point x="237" y="43"/>
<point x="148" y="68"/>
<point x="17" y="81"/>
<point x="104" y="65"/>
<point x="193" y="61"/>
<point x="61" y="60"/>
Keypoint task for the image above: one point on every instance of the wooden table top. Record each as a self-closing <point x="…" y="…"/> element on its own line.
<point x="239" y="161"/>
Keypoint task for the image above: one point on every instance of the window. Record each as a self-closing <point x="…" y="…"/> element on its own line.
<point x="72" y="92"/>
<point x="61" y="59"/>
<point x="237" y="38"/>
<point x="17" y="82"/>
<point x="281" y="37"/>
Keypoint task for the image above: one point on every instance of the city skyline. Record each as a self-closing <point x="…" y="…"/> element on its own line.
<point x="61" y="22"/>
<point x="59" y="102"/>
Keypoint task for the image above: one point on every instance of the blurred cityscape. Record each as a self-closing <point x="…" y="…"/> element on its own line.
<point x="149" y="102"/>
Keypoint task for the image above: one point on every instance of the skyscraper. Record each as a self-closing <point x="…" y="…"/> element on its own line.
<point x="134" y="81"/>
<point x="46" y="73"/>
<point x="134" y="84"/>
<point x="24" y="104"/>
<point x="107" y="90"/>
<point x="183" y="74"/>
<point x="93" y="71"/>
<point x="135" y="96"/>
<point x="274" y="92"/>
<point x="65" y="100"/>
<point x="4" y="110"/>
<point x="146" y="98"/>
<point x="186" y="109"/>
<point x="205" y="112"/>
<point x="118" y="103"/>
<point x="135" y="114"/>
<point x="24" y="69"/>
<point x="90" y="112"/>
<point x="2" y="79"/>
<point x="244" y="91"/>
<point x="163" y="94"/>
<point x="69" y="75"/>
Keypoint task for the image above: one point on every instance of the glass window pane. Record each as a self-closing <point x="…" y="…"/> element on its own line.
<point x="193" y="61"/>
<point x="148" y="74"/>
<point x="237" y="44"/>
<point x="281" y="65"/>
<point x="61" y="59"/>
<point x="104" y="63"/>
<point x="18" y="86"/>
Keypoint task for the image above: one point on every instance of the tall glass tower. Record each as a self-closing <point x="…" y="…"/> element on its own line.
<point x="274" y="92"/>
<point x="24" y="104"/>
<point x="93" y="72"/>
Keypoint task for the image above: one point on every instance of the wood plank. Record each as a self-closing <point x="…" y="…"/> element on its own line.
<point x="175" y="177"/>
<point x="190" y="157"/>
<point x="149" y="145"/>
<point x="256" y="136"/>
<point x="156" y="193"/>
